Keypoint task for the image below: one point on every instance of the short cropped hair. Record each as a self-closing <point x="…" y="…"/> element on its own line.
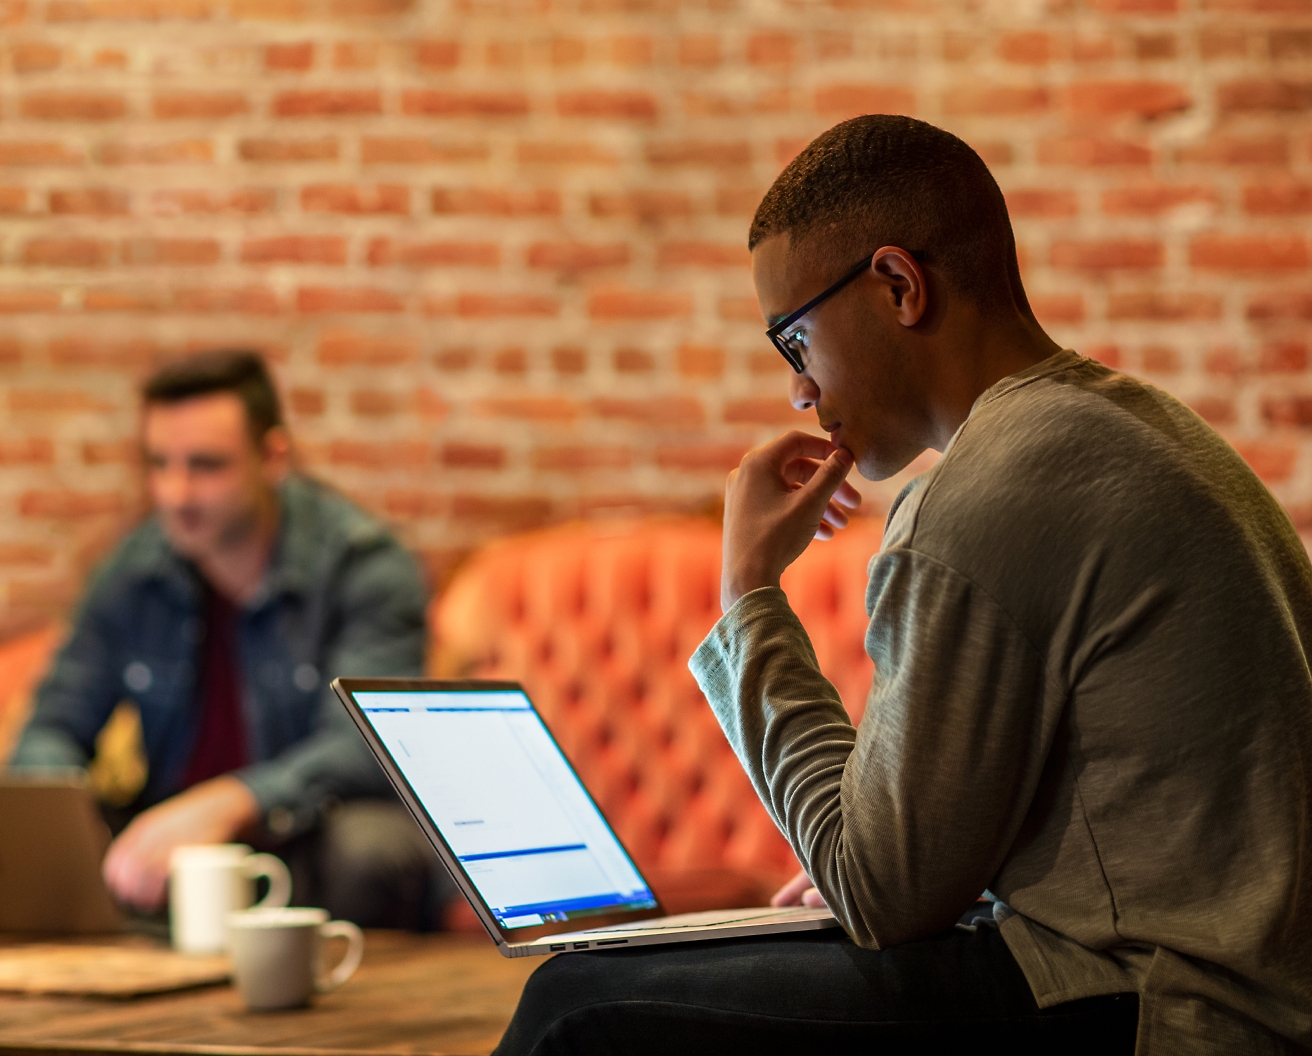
<point x="240" y="372"/>
<point x="884" y="180"/>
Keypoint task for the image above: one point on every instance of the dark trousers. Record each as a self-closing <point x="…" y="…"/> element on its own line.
<point x="812" y="992"/>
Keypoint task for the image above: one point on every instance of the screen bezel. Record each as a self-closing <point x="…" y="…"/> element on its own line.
<point x="346" y="688"/>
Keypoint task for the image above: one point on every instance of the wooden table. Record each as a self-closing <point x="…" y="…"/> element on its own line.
<point x="412" y="994"/>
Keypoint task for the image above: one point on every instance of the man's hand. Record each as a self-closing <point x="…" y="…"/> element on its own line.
<point x="799" y="891"/>
<point x="136" y="866"/>
<point x="781" y="497"/>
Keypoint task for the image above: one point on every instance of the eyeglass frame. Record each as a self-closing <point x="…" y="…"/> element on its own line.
<point x="775" y="332"/>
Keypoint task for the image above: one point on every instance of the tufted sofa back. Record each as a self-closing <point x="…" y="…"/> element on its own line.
<point x="598" y="621"/>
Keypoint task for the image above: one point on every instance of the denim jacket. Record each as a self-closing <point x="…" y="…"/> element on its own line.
<point x="340" y="597"/>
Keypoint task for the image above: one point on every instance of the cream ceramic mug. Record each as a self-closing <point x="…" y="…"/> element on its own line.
<point x="209" y="881"/>
<point x="276" y="955"/>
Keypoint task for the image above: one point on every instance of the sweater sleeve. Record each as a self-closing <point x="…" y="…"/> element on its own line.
<point x="902" y="822"/>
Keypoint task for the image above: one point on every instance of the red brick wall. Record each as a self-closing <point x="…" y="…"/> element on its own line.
<point x="495" y="247"/>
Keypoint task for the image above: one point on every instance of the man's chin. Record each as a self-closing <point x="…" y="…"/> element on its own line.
<point x="190" y="544"/>
<point x="878" y="466"/>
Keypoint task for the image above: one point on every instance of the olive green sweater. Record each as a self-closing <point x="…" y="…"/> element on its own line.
<point x="1090" y="623"/>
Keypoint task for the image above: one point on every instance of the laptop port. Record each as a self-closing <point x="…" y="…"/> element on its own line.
<point x="612" y="942"/>
<point x="558" y="947"/>
<point x="580" y="945"/>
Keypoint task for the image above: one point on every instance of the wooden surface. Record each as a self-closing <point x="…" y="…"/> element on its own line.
<point x="105" y="971"/>
<point x="449" y="994"/>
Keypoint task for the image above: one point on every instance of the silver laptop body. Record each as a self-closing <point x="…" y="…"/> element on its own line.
<point x="516" y="828"/>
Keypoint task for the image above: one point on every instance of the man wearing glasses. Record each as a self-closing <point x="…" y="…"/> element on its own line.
<point x="1090" y="623"/>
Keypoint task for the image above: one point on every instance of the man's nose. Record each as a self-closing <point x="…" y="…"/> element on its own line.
<point x="802" y="392"/>
<point x="169" y="487"/>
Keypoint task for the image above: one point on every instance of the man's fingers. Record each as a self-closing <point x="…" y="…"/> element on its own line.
<point x="848" y="496"/>
<point x="797" y="444"/>
<point x="791" y="893"/>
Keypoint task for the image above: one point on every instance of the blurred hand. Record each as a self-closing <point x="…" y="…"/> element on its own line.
<point x="136" y="867"/>
<point x="799" y="891"/>
<point x="782" y="496"/>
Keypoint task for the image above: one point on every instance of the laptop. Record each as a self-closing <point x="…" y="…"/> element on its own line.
<point x="516" y="828"/>
<point x="52" y="841"/>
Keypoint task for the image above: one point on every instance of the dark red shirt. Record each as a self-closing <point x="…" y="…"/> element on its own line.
<point x="220" y="745"/>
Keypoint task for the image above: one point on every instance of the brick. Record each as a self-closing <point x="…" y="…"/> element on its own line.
<point x="1147" y="99"/>
<point x="1278" y="199"/>
<point x="1271" y="461"/>
<point x="771" y="48"/>
<point x="12" y="12"/>
<point x="127" y="10"/>
<point x="612" y="105"/>
<point x="1160" y="359"/>
<point x="33" y="554"/>
<point x="418" y="150"/>
<point x="35" y="57"/>
<point x="633" y="361"/>
<point x="91" y="350"/>
<point x="692" y="152"/>
<point x="208" y="106"/>
<point x="494" y="202"/>
<point x="110" y="58"/>
<point x="414" y="503"/>
<point x="1093" y="152"/>
<point x="40" y="152"/>
<point x="645" y="206"/>
<point x="172" y="251"/>
<point x="1033" y="201"/>
<point x="1106" y="254"/>
<point x="738" y="201"/>
<point x="1248" y="252"/>
<point x="1259" y="95"/>
<point x="506" y="306"/>
<point x="13" y="200"/>
<point x="838" y="101"/>
<point x="1155" y="199"/>
<point x="383" y="252"/>
<point x="169" y="152"/>
<point x="316" y="299"/>
<point x="701" y="458"/>
<point x="576" y="256"/>
<point x="69" y="505"/>
<point x="1136" y="7"/>
<point x="565" y="152"/>
<point x="764" y="410"/>
<point x="58" y="401"/>
<point x="437" y="54"/>
<point x="977" y="98"/>
<point x="67" y="253"/>
<point x="11" y="350"/>
<point x="700" y="360"/>
<point x="1288" y="304"/>
<point x="632" y="50"/>
<point x="347" y="198"/>
<point x="247" y="299"/>
<point x="308" y="402"/>
<point x="567" y="359"/>
<point x="1052" y="308"/>
<point x="90" y="201"/>
<point x="73" y="106"/>
<point x="124" y="299"/>
<point x="374" y="403"/>
<point x="1282" y="357"/>
<point x="507" y="513"/>
<point x="1150" y="47"/>
<point x="512" y="360"/>
<point x="1215" y="410"/>
<point x="581" y="458"/>
<point x="740" y="309"/>
<point x="1163" y="307"/>
<point x="391" y="455"/>
<point x="664" y="411"/>
<point x="1290" y="43"/>
<point x="327" y="102"/>
<point x="295" y="249"/>
<point x="1222" y="42"/>
<point x="1237" y="150"/>
<point x="530" y="408"/>
<point x="454" y="360"/>
<point x="243" y="201"/>
<point x="431" y="102"/>
<point x="457" y="455"/>
<point x="355" y="55"/>
<point x="110" y="453"/>
<point x="1225" y="362"/>
<point x="19" y="300"/>
<point x="639" y="304"/>
<point x="702" y="50"/>
<point x="296" y="57"/>
<point x="31" y="451"/>
<point x="1288" y="411"/>
<point x="343" y="348"/>
<point x="702" y="255"/>
<point x="283" y="150"/>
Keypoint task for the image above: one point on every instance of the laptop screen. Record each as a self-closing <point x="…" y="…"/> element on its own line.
<point x="507" y="803"/>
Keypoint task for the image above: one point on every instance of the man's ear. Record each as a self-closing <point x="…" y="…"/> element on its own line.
<point x="276" y="454"/>
<point x="902" y="274"/>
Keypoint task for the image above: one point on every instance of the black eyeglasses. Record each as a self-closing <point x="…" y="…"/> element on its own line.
<point x="791" y="346"/>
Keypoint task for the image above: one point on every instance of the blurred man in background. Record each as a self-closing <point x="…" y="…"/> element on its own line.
<point x="223" y="618"/>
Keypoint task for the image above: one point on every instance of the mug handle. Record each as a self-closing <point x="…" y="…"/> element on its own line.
<point x="341" y="929"/>
<point x="280" y="880"/>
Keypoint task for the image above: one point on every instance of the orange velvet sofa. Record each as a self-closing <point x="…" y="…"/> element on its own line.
<point x="598" y="620"/>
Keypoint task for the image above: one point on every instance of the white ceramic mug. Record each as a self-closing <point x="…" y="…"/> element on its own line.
<point x="276" y="955"/>
<point x="209" y="881"/>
